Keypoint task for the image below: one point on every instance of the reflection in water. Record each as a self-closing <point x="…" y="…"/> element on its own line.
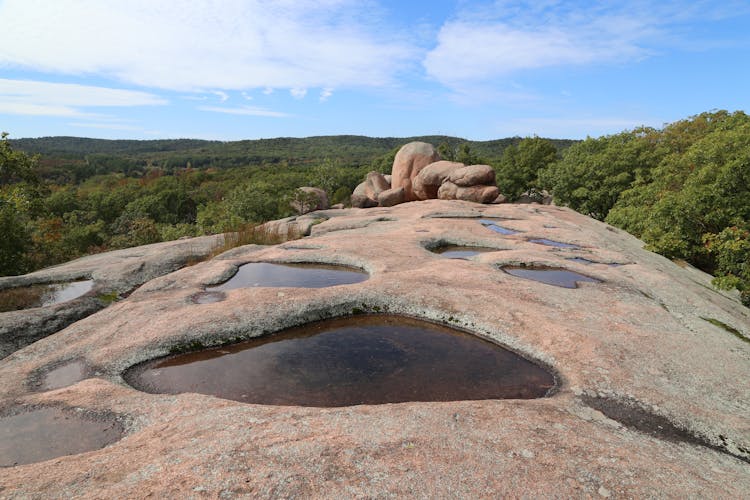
<point x="27" y="297"/>
<point x="461" y="252"/>
<point x="557" y="277"/>
<point x="47" y="433"/>
<point x="553" y="243"/>
<point x="492" y="226"/>
<point x="365" y="359"/>
<point x="264" y="274"/>
<point x="64" y="375"/>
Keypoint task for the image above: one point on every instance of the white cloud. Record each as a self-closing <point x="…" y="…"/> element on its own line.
<point x="267" y="91"/>
<point x="196" y="45"/>
<point x="28" y="97"/>
<point x="247" y="96"/>
<point x="223" y="96"/>
<point x="487" y="44"/>
<point x="325" y="94"/>
<point x="244" y="110"/>
<point x="298" y="93"/>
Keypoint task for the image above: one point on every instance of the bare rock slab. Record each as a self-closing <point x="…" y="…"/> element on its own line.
<point x="652" y="397"/>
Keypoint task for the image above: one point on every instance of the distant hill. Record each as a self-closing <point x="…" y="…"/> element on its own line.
<point x="350" y="150"/>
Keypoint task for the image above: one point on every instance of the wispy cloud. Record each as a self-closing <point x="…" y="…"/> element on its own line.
<point x="245" y="110"/>
<point x="223" y="96"/>
<point x="325" y="94"/>
<point x="35" y="98"/>
<point x="507" y="37"/>
<point x="201" y="45"/>
<point x="298" y="93"/>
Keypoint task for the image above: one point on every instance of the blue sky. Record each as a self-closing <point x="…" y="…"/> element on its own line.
<point x="480" y="70"/>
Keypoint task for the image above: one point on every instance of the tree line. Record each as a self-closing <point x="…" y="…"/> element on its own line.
<point x="683" y="189"/>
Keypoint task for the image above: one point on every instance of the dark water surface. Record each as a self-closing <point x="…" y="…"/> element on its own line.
<point x="492" y="226"/>
<point x="553" y="243"/>
<point x="557" y="277"/>
<point x="26" y="297"/>
<point x="265" y="274"/>
<point x="364" y="359"/>
<point x="461" y="252"/>
<point x="47" y="433"/>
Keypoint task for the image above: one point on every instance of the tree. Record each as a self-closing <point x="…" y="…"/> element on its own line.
<point x="591" y="174"/>
<point x="20" y="199"/>
<point x="518" y="170"/>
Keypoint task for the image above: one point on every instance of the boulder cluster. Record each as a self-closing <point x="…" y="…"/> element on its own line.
<point x="419" y="174"/>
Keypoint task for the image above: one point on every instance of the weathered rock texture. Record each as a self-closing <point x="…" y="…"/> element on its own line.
<point x="428" y="180"/>
<point x="409" y="160"/>
<point x="114" y="273"/>
<point x="638" y="343"/>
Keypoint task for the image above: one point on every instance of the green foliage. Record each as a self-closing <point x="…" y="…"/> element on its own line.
<point x="730" y="250"/>
<point x="518" y="170"/>
<point x="684" y="190"/>
<point x="591" y="174"/>
<point x="88" y="195"/>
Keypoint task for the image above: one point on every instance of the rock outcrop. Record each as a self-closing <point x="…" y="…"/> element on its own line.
<point x="428" y="180"/>
<point x="409" y="161"/>
<point x="419" y="174"/>
<point x="651" y="398"/>
<point x="114" y="274"/>
<point x="308" y="199"/>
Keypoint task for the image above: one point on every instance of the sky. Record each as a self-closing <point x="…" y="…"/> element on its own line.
<point x="480" y="70"/>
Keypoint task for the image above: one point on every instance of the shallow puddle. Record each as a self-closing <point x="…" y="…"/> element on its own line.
<point x="208" y="297"/>
<point x="264" y="274"/>
<point x="550" y="276"/>
<point x="364" y="359"/>
<point x="553" y="243"/>
<point x="461" y="252"/>
<point x="26" y="297"/>
<point x="492" y="226"/>
<point x="66" y="374"/>
<point x="47" y="433"/>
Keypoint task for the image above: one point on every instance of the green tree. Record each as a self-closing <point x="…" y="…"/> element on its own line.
<point x="20" y="199"/>
<point x="518" y="170"/>
<point x="591" y="174"/>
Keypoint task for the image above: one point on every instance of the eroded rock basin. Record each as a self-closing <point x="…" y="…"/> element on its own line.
<point x="45" y="433"/>
<point x="266" y="274"/>
<point x="365" y="359"/>
<point x="461" y="252"/>
<point x="27" y="297"/>
<point x="550" y="276"/>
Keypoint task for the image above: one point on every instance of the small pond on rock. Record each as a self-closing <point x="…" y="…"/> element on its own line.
<point x="363" y="359"/>
<point x="461" y="252"/>
<point x="64" y="375"/>
<point x="13" y="299"/>
<point x="550" y="276"/>
<point x="45" y="433"/>
<point x="553" y="243"/>
<point x="265" y="274"/>
<point x="492" y="226"/>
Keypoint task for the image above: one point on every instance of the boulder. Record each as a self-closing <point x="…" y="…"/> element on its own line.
<point x="360" y="199"/>
<point x="308" y="199"/>
<point x="391" y="197"/>
<point x="473" y="175"/>
<point x="477" y="194"/>
<point x="409" y="161"/>
<point x="428" y="180"/>
<point x="375" y="183"/>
